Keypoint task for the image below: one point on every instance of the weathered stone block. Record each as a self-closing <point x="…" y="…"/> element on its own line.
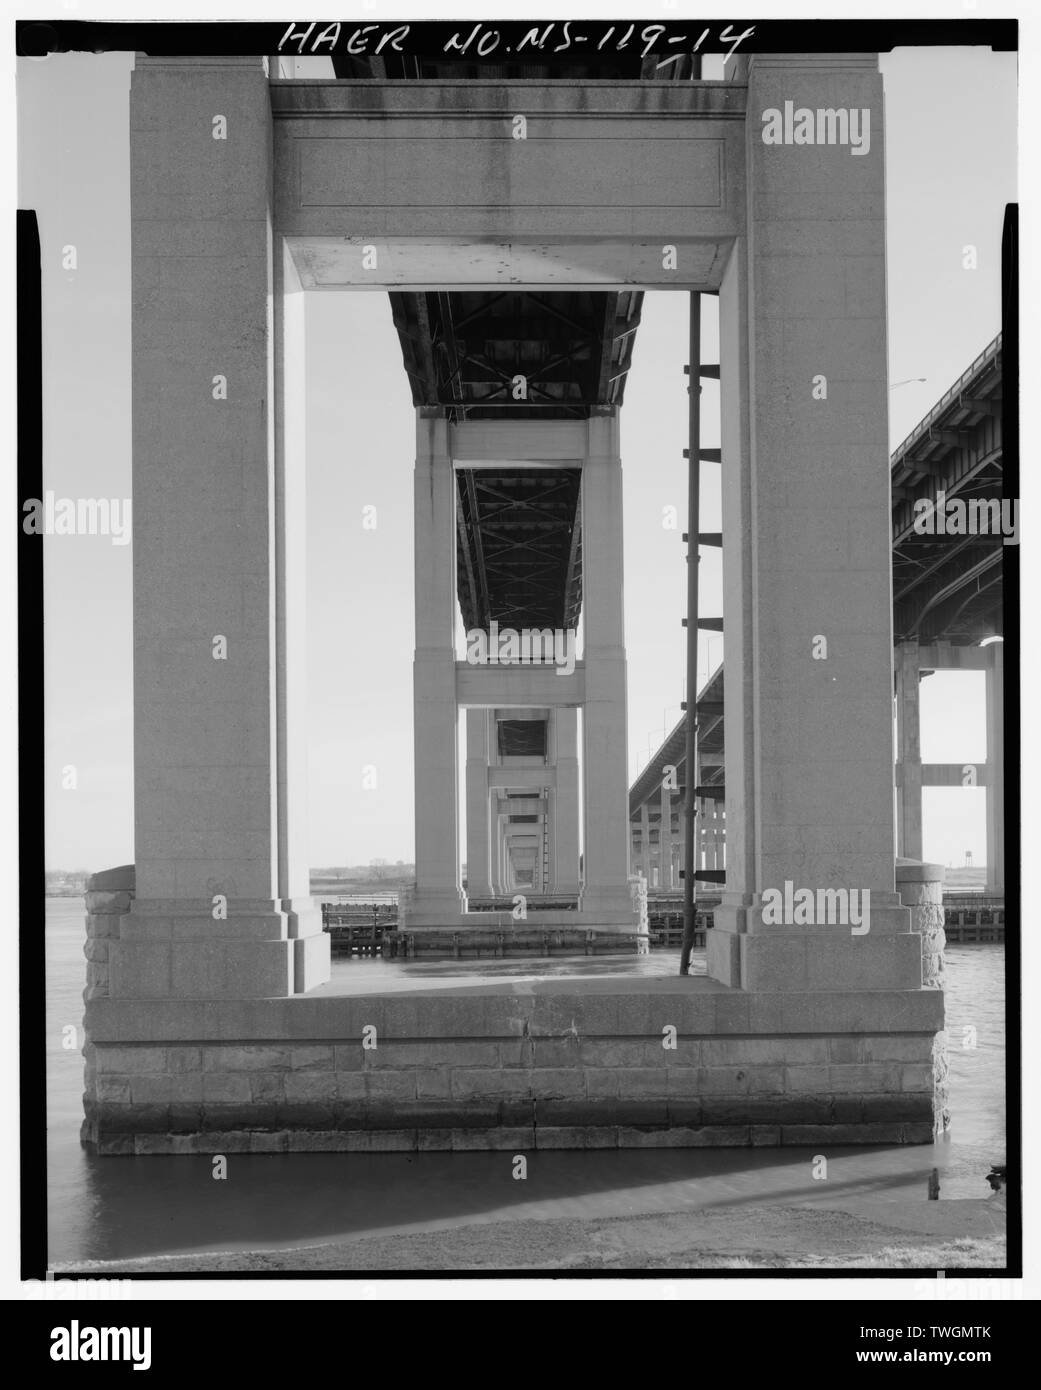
<point x="653" y="1113"/>
<point x="575" y="1137"/>
<point x="136" y="1119"/>
<point x="744" y="1110"/>
<point x="517" y="1110"/>
<point x="490" y="1082"/>
<point x="724" y="1080"/>
<point x="516" y="1052"/>
<point x="841" y="1134"/>
<point x="447" y="1115"/>
<point x="610" y="1052"/>
<point x="876" y="1077"/>
<point x="269" y="1141"/>
<point x="686" y="1113"/>
<point x="842" y="1110"/>
<point x="602" y="1081"/>
<point x="307" y="1058"/>
<point x="433" y="1140"/>
<point x="577" y="1113"/>
<point x="310" y="1086"/>
<point x="306" y="1114"/>
<point x="221" y="1087"/>
<point x="554" y="1052"/>
<point x="916" y="1076"/>
<point x="233" y="1059"/>
<point x="165" y="1088"/>
<point x="391" y="1140"/>
<point x="349" y="1056"/>
<point x="115" y="1145"/>
<point x="765" y="1080"/>
<point x="113" y="1088"/>
<point x="102" y="927"/>
<point x="130" y="1060"/>
<point x="385" y="1086"/>
<point x="807" y="1080"/>
<point x="183" y="1059"/>
<point x="646" y="1081"/>
<point x="185" y="1118"/>
<point x="267" y="1087"/>
<point x="145" y="1144"/>
<point x="548" y="1083"/>
<point x="903" y="1105"/>
<point x="512" y="1140"/>
<point x="765" y="1136"/>
<point x="107" y="904"/>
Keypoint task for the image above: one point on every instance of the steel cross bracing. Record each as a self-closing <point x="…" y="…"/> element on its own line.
<point x="517" y="354"/>
<point x="518" y="548"/>
<point x="949" y="587"/>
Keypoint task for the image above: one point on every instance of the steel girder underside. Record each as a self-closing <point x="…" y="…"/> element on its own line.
<point x="949" y="586"/>
<point x="518" y="354"/>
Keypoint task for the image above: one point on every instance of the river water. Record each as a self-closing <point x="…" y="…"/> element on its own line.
<point x="106" y="1208"/>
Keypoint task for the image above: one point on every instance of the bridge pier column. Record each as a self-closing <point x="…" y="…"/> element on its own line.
<point x="909" y="753"/>
<point x="995" y="679"/>
<point x="807" y="605"/>
<point x="478" y="866"/>
<point x="564" y="800"/>
<point x="438" y="899"/>
<point x="665" y="839"/>
<point x="645" y="843"/>
<point x="605" y="892"/>
<point x="222" y="906"/>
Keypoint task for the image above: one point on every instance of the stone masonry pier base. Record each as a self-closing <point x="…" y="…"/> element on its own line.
<point x="545" y="1064"/>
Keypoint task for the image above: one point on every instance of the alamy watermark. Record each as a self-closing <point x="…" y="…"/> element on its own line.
<point x="77" y="516"/>
<point x="530" y="646"/>
<point x="822" y="126"/>
<point x="820" y="907"/>
<point x="974" y="516"/>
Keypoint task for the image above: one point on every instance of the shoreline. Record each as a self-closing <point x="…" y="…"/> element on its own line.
<point x="904" y="1235"/>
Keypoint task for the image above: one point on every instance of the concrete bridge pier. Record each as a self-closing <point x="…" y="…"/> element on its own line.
<point x="438" y="898"/>
<point x="209" y="1028"/>
<point x="913" y="661"/>
<point x="597" y="686"/>
<point x="605" y="889"/>
<point x="806" y="611"/>
<point x="478" y="803"/>
<point x="563" y="730"/>
<point x="222" y="906"/>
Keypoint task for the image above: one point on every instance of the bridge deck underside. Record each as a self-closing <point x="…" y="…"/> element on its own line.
<point x="947" y="585"/>
<point x="480" y="355"/>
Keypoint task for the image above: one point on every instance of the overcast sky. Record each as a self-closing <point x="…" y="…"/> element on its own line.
<point x="74" y="170"/>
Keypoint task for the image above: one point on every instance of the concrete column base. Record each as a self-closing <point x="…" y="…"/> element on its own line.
<point x="441" y="907"/>
<point x="609" y="907"/>
<point x="745" y="952"/>
<point x="178" y="949"/>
